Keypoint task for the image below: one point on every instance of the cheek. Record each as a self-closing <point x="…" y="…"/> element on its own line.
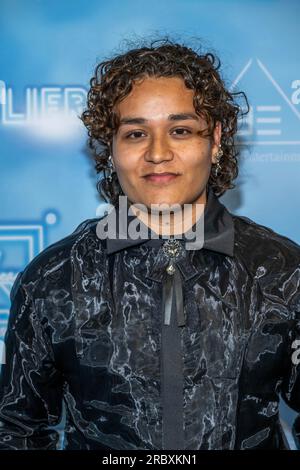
<point x="125" y="160"/>
<point x="201" y="163"/>
<point x="197" y="171"/>
<point x="127" y="170"/>
<point x="128" y="164"/>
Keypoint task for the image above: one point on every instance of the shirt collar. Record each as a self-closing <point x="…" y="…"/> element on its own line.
<point x="218" y="229"/>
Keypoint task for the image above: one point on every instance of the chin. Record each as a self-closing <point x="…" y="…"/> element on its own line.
<point x="162" y="198"/>
<point x="170" y="204"/>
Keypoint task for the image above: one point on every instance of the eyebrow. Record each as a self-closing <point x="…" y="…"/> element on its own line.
<point x="171" y="117"/>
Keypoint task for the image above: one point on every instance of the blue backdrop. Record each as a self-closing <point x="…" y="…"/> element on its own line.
<point x="48" y="51"/>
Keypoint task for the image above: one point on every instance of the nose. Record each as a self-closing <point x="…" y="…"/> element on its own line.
<point x="158" y="150"/>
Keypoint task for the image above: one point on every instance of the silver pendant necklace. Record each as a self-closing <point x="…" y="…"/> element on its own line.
<point x="172" y="249"/>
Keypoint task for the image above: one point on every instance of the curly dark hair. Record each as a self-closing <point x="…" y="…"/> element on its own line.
<point x="113" y="80"/>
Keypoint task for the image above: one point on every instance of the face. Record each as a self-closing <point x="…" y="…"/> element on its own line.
<point x="159" y="133"/>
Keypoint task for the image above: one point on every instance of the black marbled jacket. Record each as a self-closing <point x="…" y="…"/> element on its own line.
<point x="85" y="329"/>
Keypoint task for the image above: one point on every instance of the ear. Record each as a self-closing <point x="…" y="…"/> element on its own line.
<point x="217" y="140"/>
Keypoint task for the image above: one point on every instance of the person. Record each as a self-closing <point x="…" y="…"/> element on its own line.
<point x="142" y="342"/>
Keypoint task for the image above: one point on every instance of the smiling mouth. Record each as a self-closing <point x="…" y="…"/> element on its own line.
<point x="161" y="177"/>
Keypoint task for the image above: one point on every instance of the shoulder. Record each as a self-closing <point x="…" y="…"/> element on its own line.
<point x="270" y="257"/>
<point x="55" y="261"/>
<point x="252" y="234"/>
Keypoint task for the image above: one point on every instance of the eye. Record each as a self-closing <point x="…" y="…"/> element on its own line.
<point x="134" y="135"/>
<point x="182" y="131"/>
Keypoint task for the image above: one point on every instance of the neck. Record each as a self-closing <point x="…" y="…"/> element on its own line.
<point x="174" y="222"/>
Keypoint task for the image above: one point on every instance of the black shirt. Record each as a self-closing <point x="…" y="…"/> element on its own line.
<point x="88" y="327"/>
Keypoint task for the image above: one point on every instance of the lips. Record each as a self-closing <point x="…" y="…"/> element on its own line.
<point x="161" y="177"/>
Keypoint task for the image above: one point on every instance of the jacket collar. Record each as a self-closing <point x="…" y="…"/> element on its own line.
<point x="218" y="229"/>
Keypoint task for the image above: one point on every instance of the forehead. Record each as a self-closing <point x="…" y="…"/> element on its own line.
<point x="145" y="83"/>
<point x="154" y="94"/>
